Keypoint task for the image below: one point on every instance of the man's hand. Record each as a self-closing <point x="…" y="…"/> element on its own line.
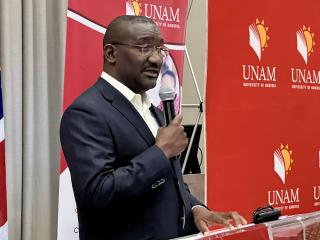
<point x="172" y="139"/>
<point x="204" y="218"/>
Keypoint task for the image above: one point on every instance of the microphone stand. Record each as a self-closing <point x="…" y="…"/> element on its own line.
<point x="190" y="144"/>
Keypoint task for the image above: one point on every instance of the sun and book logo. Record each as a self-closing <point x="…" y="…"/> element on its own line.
<point x="305" y="42"/>
<point x="284" y="199"/>
<point x="133" y="7"/>
<point x="259" y="75"/>
<point x="166" y="16"/>
<point x="258" y="37"/>
<point x="305" y="79"/>
<point x="282" y="161"/>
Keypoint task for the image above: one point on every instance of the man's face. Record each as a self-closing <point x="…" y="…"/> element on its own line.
<point x="135" y="69"/>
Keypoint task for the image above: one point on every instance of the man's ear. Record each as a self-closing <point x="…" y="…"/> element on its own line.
<point x="110" y="53"/>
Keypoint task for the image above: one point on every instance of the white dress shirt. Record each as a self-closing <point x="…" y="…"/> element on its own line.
<point x="141" y="103"/>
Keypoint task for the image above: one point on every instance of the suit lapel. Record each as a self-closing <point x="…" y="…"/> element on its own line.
<point x="126" y="108"/>
<point x="175" y="163"/>
<point x="158" y="115"/>
<point x="160" y="119"/>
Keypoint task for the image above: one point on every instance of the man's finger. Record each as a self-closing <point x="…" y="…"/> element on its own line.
<point x="243" y="220"/>
<point x="216" y="218"/>
<point x="227" y="224"/>
<point x="237" y="218"/>
<point x="202" y="227"/>
<point x="177" y="119"/>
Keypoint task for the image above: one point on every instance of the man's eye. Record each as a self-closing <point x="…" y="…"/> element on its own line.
<point x="144" y="45"/>
<point x="146" y="48"/>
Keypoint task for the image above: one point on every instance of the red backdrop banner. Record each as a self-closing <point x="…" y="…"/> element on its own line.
<point x="262" y="105"/>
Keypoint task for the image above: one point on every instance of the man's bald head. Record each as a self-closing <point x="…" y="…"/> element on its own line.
<point x="116" y="30"/>
<point x="132" y="52"/>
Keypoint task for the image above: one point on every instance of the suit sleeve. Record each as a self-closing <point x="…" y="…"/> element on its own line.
<point x="193" y="200"/>
<point x="98" y="181"/>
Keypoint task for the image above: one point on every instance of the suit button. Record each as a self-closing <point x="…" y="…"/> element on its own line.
<point x="162" y="180"/>
<point x="158" y="183"/>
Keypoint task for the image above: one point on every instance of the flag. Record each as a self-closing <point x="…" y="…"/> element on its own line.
<point x="3" y="191"/>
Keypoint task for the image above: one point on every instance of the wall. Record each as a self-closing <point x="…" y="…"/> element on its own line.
<point x="197" y="46"/>
<point x="196" y="41"/>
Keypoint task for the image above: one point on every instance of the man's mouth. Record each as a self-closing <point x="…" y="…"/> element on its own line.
<point x="151" y="72"/>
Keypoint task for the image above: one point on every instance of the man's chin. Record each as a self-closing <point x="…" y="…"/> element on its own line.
<point x="151" y="80"/>
<point x="150" y="83"/>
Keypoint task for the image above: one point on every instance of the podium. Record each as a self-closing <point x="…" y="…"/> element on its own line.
<point x="296" y="227"/>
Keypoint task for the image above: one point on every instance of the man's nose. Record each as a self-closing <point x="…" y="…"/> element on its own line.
<point x="156" y="58"/>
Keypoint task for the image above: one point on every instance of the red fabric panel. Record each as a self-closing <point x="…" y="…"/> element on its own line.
<point x="246" y="125"/>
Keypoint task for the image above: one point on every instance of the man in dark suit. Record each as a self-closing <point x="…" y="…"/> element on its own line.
<point x="126" y="181"/>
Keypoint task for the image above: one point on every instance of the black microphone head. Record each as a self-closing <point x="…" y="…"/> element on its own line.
<point x="166" y="93"/>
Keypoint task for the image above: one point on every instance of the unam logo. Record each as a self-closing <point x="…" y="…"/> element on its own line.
<point x="258" y="37"/>
<point x="282" y="161"/>
<point x="133" y="7"/>
<point x="305" y="42"/>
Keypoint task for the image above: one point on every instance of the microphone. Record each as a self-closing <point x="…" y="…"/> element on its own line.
<point x="167" y="96"/>
<point x="266" y="214"/>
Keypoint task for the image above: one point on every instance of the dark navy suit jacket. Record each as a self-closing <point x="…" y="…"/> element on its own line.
<point x="124" y="186"/>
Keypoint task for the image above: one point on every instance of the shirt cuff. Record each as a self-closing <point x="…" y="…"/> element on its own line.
<point x="195" y="206"/>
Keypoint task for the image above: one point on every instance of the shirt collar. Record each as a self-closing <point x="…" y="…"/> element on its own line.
<point x="127" y="92"/>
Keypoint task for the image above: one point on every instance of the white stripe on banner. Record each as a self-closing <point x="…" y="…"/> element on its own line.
<point x="85" y="22"/>
<point x="102" y="30"/>
<point x="176" y="47"/>
<point x="68" y="227"/>
<point x="1" y="129"/>
<point x="4" y="232"/>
